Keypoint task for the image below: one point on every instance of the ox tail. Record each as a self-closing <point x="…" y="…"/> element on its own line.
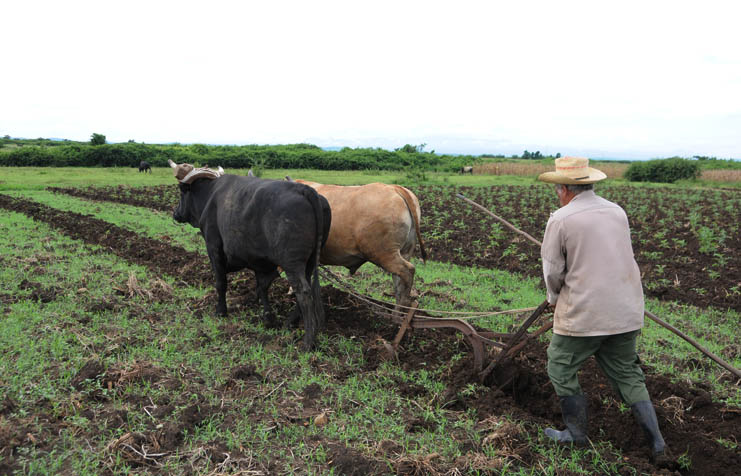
<point x="409" y="200"/>
<point x="313" y="197"/>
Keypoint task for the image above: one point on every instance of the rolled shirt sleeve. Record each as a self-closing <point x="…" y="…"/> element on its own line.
<point x="553" y="253"/>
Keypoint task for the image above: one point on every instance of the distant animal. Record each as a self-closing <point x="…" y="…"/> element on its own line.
<point x="145" y="167"/>
<point x="259" y="224"/>
<point x="377" y="223"/>
<point x="467" y="169"/>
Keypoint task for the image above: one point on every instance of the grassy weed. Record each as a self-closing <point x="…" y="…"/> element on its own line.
<point x="151" y="223"/>
<point x="78" y="310"/>
<point x="65" y="304"/>
<point x="38" y="178"/>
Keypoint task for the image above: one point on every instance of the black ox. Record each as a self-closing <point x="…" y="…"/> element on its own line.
<point x="145" y="167"/>
<point x="259" y="224"/>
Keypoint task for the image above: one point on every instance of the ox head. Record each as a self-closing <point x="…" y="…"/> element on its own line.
<point x="188" y="210"/>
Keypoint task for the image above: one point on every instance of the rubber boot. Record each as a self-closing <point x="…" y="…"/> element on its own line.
<point x="645" y="415"/>
<point x="574" y="410"/>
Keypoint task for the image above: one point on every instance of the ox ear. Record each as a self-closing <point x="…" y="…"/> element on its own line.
<point x="249" y="173"/>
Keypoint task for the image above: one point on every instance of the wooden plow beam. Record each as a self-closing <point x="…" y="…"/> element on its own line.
<point x="517" y="342"/>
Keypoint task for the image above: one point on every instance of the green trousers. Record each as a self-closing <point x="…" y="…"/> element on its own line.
<point x="615" y="354"/>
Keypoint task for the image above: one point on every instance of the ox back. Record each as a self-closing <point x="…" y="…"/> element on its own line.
<point x="260" y="224"/>
<point x="377" y="223"/>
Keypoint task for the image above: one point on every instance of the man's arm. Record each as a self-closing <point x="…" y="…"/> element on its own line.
<point x="554" y="259"/>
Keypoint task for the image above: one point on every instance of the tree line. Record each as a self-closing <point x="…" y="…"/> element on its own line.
<point x="97" y="153"/>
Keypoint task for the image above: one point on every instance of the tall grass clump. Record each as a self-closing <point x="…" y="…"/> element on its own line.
<point x="663" y="170"/>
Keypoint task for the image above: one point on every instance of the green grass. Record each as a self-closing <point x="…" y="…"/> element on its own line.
<point x="37" y="178"/>
<point x="30" y="178"/>
<point x="45" y="343"/>
<point x="151" y="223"/>
<point x="456" y="288"/>
<point x="91" y="316"/>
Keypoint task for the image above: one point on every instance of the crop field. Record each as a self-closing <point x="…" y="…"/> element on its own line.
<point x="686" y="241"/>
<point x="113" y="361"/>
<point x="728" y="177"/>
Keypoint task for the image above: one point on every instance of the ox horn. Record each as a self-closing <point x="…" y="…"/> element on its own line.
<point x="221" y="170"/>
<point x="199" y="173"/>
<point x="249" y="173"/>
<point x="172" y="164"/>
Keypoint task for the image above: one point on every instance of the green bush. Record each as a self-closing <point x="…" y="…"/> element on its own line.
<point x="295" y="156"/>
<point x="663" y="170"/>
<point x="97" y="139"/>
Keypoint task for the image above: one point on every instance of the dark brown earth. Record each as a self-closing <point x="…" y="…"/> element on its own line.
<point x="160" y="197"/>
<point x="690" y="421"/>
<point x="665" y="243"/>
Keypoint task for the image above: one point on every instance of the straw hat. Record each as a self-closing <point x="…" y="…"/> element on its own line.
<point x="573" y="171"/>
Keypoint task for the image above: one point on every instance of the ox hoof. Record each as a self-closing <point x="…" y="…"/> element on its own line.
<point x="270" y="322"/>
<point x="293" y="318"/>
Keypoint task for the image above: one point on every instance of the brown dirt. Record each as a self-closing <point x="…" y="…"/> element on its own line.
<point x="157" y="198"/>
<point x="456" y="233"/>
<point x="690" y="421"/>
<point x="39" y="292"/>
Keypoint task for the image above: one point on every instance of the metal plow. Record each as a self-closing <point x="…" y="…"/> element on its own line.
<point x="507" y="344"/>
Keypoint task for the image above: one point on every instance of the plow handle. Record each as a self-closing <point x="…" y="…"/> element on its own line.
<point x="692" y="341"/>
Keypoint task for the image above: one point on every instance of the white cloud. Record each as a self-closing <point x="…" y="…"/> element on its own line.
<point x="638" y="78"/>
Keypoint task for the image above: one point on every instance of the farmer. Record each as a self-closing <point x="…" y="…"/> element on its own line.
<point x="594" y="283"/>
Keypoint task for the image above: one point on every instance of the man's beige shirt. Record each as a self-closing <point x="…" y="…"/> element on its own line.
<point x="589" y="269"/>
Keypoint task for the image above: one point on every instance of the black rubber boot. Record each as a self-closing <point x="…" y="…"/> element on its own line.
<point x="574" y="410"/>
<point x="645" y="415"/>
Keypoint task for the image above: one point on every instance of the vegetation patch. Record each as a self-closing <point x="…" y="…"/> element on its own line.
<point x="113" y="362"/>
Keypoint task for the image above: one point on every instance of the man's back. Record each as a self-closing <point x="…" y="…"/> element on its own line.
<point x="588" y="262"/>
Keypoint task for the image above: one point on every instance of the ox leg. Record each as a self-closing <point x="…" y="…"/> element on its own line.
<point x="264" y="280"/>
<point x="316" y="300"/>
<point x="403" y="276"/>
<point x="303" y="294"/>
<point x="218" y="265"/>
<point x="294" y="317"/>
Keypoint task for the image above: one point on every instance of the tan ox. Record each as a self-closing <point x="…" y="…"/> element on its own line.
<point x="377" y="223"/>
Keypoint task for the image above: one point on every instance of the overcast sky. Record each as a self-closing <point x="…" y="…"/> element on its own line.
<point x="602" y="79"/>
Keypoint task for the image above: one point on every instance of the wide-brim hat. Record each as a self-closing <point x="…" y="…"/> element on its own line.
<point x="573" y="171"/>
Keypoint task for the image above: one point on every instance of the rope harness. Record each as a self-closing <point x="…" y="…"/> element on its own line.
<point x="397" y="310"/>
